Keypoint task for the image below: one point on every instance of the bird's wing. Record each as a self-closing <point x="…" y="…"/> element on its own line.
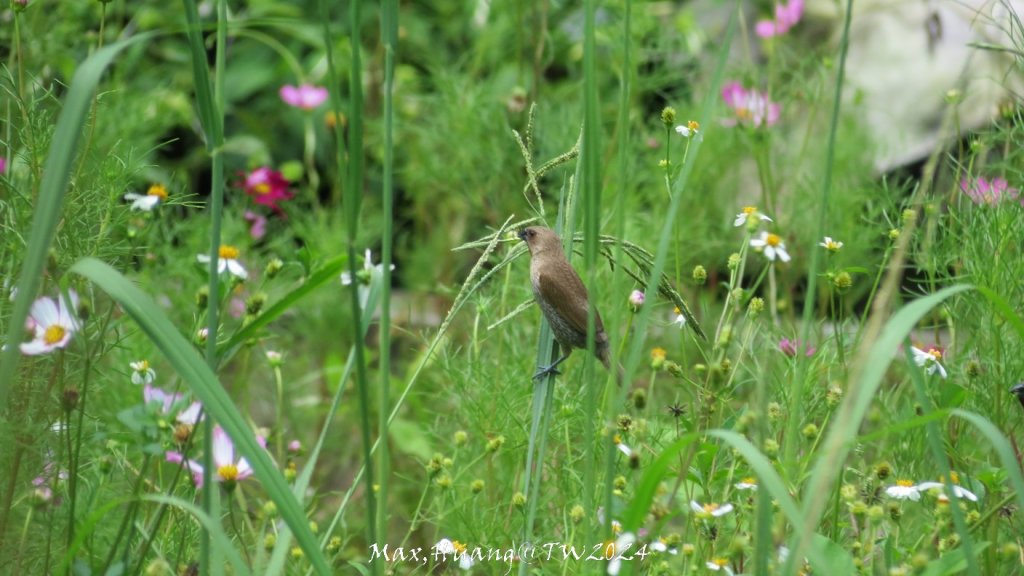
<point x="565" y="291"/>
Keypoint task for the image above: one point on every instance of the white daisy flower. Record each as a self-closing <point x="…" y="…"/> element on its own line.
<point x="53" y="323"/>
<point x="692" y="128"/>
<point x="146" y="202"/>
<point x="142" y="373"/>
<point x="747" y="213"/>
<point x="227" y="260"/>
<point x="771" y="245"/>
<point x="680" y="319"/>
<point x="904" y="490"/>
<point x="746" y="484"/>
<point x="614" y="553"/>
<point x="830" y="244"/>
<point x="710" y="510"/>
<point x="720" y="564"/>
<point x="929" y="360"/>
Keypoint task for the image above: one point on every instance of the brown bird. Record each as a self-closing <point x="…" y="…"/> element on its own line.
<point x="563" y="299"/>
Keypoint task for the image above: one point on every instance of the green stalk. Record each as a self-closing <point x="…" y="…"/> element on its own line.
<point x="211" y="114"/>
<point x="389" y="32"/>
<point x="590" y="188"/>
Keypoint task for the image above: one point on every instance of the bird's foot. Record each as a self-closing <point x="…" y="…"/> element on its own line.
<point x="543" y="371"/>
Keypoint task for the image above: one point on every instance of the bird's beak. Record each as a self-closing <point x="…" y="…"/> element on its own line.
<point x="522" y="234"/>
<point x="1018" y="391"/>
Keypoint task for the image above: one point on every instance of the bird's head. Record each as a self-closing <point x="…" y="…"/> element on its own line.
<point x="540" y="239"/>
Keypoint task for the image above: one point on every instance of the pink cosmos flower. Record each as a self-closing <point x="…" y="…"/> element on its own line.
<point x="229" y="469"/>
<point x="786" y="16"/>
<point x="258" y="224"/>
<point x="267" y="187"/>
<point x="749" y="106"/>
<point x="790" y="348"/>
<point x="190" y="415"/>
<point x="989" y="193"/>
<point x="305" y="96"/>
<point x="53" y="323"/>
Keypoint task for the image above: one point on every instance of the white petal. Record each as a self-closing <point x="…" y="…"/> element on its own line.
<point x="445" y="546"/>
<point x="722" y="510"/>
<point x="36" y="347"/>
<point x="740" y="220"/>
<point x="235" y="268"/>
<point x="346" y="278"/>
<point x="191" y="414"/>
<point x="783" y="255"/>
<point x="203" y="258"/>
<point x="223" y="449"/>
<point x="769" y="252"/>
<point x="44" y="311"/>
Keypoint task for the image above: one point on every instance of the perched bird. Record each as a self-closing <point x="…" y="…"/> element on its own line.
<point x="563" y="298"/>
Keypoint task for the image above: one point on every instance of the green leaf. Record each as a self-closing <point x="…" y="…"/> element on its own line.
<point x="205" y="386"/>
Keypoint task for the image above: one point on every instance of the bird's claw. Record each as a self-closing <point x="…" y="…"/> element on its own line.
<point x="543" y="371"/>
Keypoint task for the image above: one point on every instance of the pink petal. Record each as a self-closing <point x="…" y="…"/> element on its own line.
<point x="773" y="113"/>
<point x="45" y="312"/>
<point x="765" y="29"/>
<point x="290" y="95"/>
<point x="733" y="94"/>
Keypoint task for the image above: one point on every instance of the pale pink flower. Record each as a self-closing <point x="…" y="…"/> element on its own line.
<point x="786" y="16"/>
<point x="305" y="96"/>
<point x="749" y="106"/>
<point x="989" y="193"/>
<point x="53" y="323"/>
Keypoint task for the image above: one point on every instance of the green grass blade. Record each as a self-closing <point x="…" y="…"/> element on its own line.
<point x="54" y="185"/>
<point x="204" y="384"/>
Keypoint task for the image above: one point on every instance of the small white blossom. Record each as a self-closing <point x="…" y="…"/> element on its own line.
<point x="929" y="360"/>
<point x="771" y="245"/>
<point x="749" y="212"/>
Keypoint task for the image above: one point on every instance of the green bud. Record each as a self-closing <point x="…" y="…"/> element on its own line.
<point x="700" y="275"/>
<point x="668" y="116"/>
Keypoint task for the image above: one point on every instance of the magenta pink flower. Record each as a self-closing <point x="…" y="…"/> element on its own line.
<point x="267" y="187"/>
<point x="306" y="96"/>
<point x="749" y="106"/>
<point x="989" y="193"/>
<point x="791" y="347"/>
<point x="786" y="16"/>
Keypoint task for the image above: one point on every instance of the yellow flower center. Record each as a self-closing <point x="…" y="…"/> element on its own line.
<point x="710" y="508"/>
<point x="693" y="125"/>
<point x="142" y="365"/>
<point x="658" y="354"/>
<point x="720" y="562"/>
<point x="157" y="190"/>
<point x="617" y="439"/>
<point x="228" y="472"/>
<point x="773" y="240"/>
<point x="677" y="310"/>
<point x="261" y="188"/>
<point x="953" y="477"/>
<point x="460" y="548"/>
<point x="748" y="210"/>
<point x="54" y="334"/>
<point x="609" y="549"/>
<point x="935" y="353"/>
<point x="749" y="481"/>
<point x="744" y="113"/>
<point x="228" y="252"/>
<point x="904" y="483"/>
